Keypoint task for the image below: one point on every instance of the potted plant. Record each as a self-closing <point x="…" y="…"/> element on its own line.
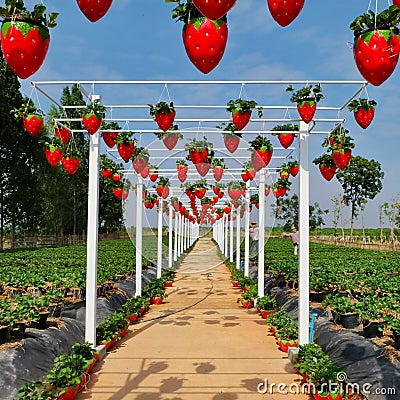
<point x="111" y="329"/>
<point x="170" y="137"/>
<point x="204" y="39"/>
<point x="327" y="166"/>
<point x="125" y="145"/>
<point x="149" y="201"/>
<point x="31" y="116"/>
<point x="231" y="136"/>
<point x="266" y="305"/>
<point x="92" y="116"/>
<point x="164" y="114"/>
<point x="201" y="154"/>
<point x="162" y="187"/>
<point x="88" y="353"/>
<point x="248" y="296"/>
<point x="261" y="152"/>
<point x="140" y="159"/>
<point x="35" y="391"/>
<point x="340" y="144"/>
<point x="254" y="199"/>
<point x="286" y="134"/>
<point x="343" y="310"/>
<point x="241" y="111"/>
<point x="218" y="165"/>
<point x="363" y="110"/>
<point x="71" y="160"/>
<point x="369" y="308"/>
<point x="109" y="133"/>
<point x="248" y="171"/>
<point x="293" y="168"/>
<point x="25" y="36"/>
<point x="280" y="187"/>
<point x="153" y="175"/>
<point x="287" y="336"/>
<point x="376" y="44"/>
<point x="54" y="150"/>
<point x="306" y="99"/>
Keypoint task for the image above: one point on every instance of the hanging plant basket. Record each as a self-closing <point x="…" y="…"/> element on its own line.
<point x="363" y="110"/>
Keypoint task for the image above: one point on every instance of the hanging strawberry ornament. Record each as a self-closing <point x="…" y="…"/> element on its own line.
<point x="214" y="9"/>
<point x="125" y="145"/>
<point x="241" y="112"/>
<point x="204" y="39"/>
<point x="293" y="168"/>
<point x="231" y="136"/>
<point x="285" y="11"/>
<point x="93" y="116"/>
<point x="364" y="111"/>
<point x="376" y="44"/>
<point x="140" y="159"/>
<point x="25" y="36"/>
<point x="261" y="152"/>
<point x="286" y="134"/>
<point x="171" y="137"/>
<point x="218" y="165"/>
<point x="162" y="187"/>
<point x="94" y="9"/>
<point x="306" y="99"/>
<point x="327" y="166"/>
<point x="71" y="161"/>
<point x="182" y="169"/>
<point x="396" y="3"/>
<point x="31" y="116"/>
<point x="164" y="114"/>
<point x="109" y="133"/>
<point x="54" y="151"/>
<point x="234" y="190"/>
<point x="153" y="175"/>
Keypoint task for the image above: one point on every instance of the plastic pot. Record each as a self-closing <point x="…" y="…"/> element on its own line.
<point x="350" y="321"/>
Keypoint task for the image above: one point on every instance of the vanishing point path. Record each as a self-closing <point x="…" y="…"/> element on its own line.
<point x="206" y="347"/>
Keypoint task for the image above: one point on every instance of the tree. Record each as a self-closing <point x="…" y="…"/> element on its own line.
<point x="287" y="209"/>
<point x="392" y="211"/>
<point x="361" y="180"/>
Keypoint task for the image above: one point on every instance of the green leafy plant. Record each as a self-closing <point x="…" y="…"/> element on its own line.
<point x="243" y="106"/>
<point x="16" y="9"/>
<point x="356" y="104"/>
<point x="162" y="181"/>
<point x="229" y="129"/>
<point x="161" y="107"/>
<point x="266" y="303"/>
<point x="339" y="304"/>
<point x="309" y="92"/>
<point x="260" y="142"/>
<point x="27" y="107"/>
<point x="250" y="294"/>
<point x="96" y="108"/>
<point x="284" y="128"/>
<point x="324" y="159"/>
<point x="218" y="162"/>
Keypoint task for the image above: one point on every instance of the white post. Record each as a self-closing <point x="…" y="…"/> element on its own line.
<point x="92" y="238"/>
<point x="170" y="237"/>
<point x="304" y="203"/>
<point x="226" y="225"/>
<point x="221" y="234"/>
<point x="159" y="240"/>
<point x="231" y="237"/>
<point x="182" y="232"/>
<point x="237" y="238"/>
<point x="246" y="230"/>
<point x="178" y="229"/>
<point x="139" y="223"/>
<point x="176" y="237"/>
<point x="261" y="227"/>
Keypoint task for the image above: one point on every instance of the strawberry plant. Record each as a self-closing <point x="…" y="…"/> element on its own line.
<point x="200" y="151"/>
<point x="241" y="111"/>
<point x="306" y="99"/>
<point x="376" y="44"/>
<point x="25" y="36"/>
<point x="261" y="152"/>
<point x="340" y="144"/>
<point x="92" y="116"/>
<point x="364" y="111"/>
<point x="164" y="114"/>
<point x="31" y="116"/>
<point x="204" y="39"/>
<point x="54" y="150"/>
<point x="293" y="168"/>
<point x="280" y="187"/>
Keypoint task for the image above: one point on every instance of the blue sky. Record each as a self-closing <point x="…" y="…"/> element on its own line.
<point x="138" y="40"/>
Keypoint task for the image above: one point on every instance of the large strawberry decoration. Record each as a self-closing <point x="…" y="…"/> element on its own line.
<point x="93" y="116"/>
<point x="285" y="135"/>
<point x="231" y="141"/>
<point x="286" y="139"/>
<point x="145" y="172"/>
<point x="306" y="99"/>
<point x="125" y="145"/>
<point x="163" y="114"/>
<point x="140" y="159"/>
<point x="109" y="138"/>
<point x="63" y="133"/>
<point x="70" y="163"/>
<point x="376" y="44"/>
<point x="341" y="158"/>
<point x="241" y="112"/>
<point x="327" y="166"/>
<point x="118" y="192"/>
<point x="162" y="187"/>
<point x="261" y="152"/>
<point x="285" y="11"/>
<point x="107" y="173"/>
<point x="214" y="9"/>
<point x="293" y="168"/>
<point x="54" y="153"/>
<point x="218" y="165"/>
<point x="94" y="9"/>
<point x="203" y="168"/>
<point x="340" y="144"/>
<point x="364" y="111"/>
<point x="234" y="190"/>
<point x="33" y="123"/>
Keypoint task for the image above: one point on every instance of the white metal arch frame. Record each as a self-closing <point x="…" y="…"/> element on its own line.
<point x="211" y="97"/>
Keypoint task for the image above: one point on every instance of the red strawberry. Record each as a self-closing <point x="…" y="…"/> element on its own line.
<point x="341" y="158"/>
<point x="363" y="117"/>
<point x="107" y="173"/>
<point x="71" y="164"/>
<point x="306" y="110"/>
<point x="241" y="119"/>
<point x="200" y="193"/>
<point x="375" y="58"/>
<point x="175" y="204"/>
<point x="170" y="140"/>
<point x="205" y="41"/>
<point x="153" y="177"/>
<point x="116" y="177"/>
<point x="396" y="3"/>
<point x="245" y="177"/>
<point x="117" y="193"/>
<point x="267" y="191"/>
<point x="126" y="151"/>
<point x="33" y="123"/>
<point x="216" y="189"/>
<point x="220" y="195"/>
<point x="203" y="168"/>
<point x="215" y="199"/>
<point x="327" y="172"/>
<point x="285" y="11"/>
<point x="231" y="142"/>
<point x="286" y="139"/>
<point x="182" y="177"/>
<point x="182" y="169"/>
<point x="64" y="134"/>
<point x="54" y="155"/>
<point x="284" y="174"/>
<point x="145" y="172"/>
<point x="294" y="170"/>
<point x="227" y="209"/>
<point x="94" y="9"/>
<point x="261" y="158"/>
<point x="234" y="193"/>
<point x="125" y="194"/>
<point x="149" y="204"/>
<point x="198" y="156"/>
<point x="109" y="138"/>
<point x="24" y="46"/>
<point x="251" y="173"/>
<point x="214" y="9"/>
<point x="162" y="191"/>
<point x="218" y="171"/>
<point x="140" y="164"/>
<point x="165" y="121"/>
<point x="92" y="122"/>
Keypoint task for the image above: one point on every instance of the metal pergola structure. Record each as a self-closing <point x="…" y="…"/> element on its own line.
<point x="199" y="109"/>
